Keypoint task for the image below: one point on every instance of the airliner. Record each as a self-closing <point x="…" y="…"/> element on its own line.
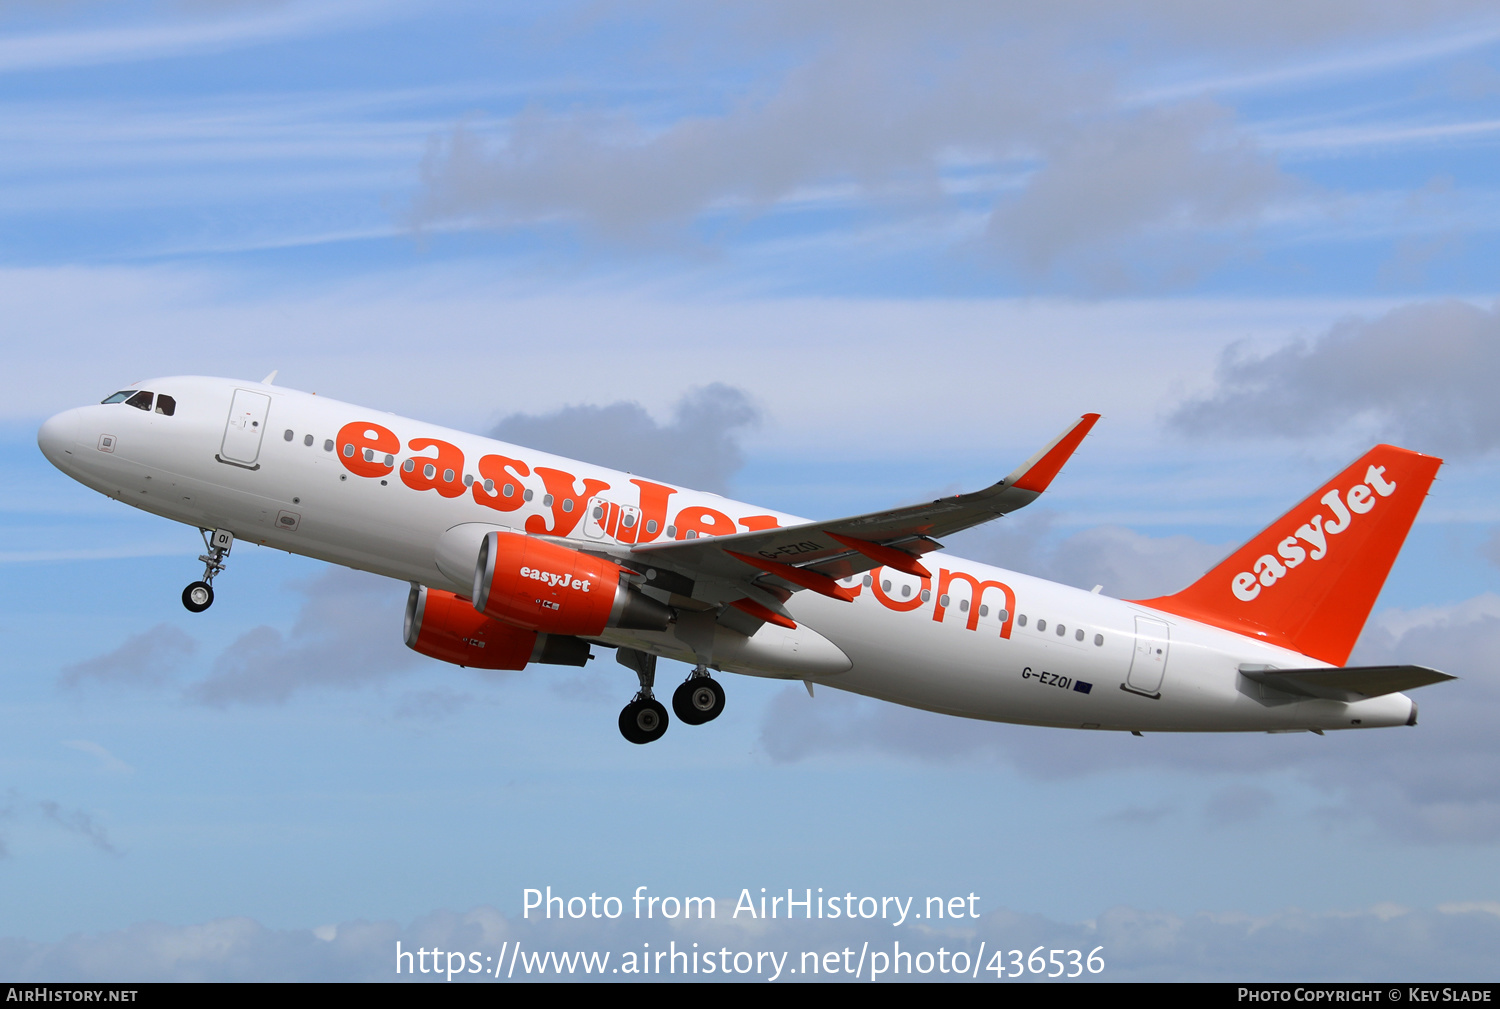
<point x="516" y="556"/>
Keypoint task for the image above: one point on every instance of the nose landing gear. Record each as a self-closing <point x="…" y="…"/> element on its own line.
<point x="199" y="596"/>
<point x="644" y="719"/>
<point x="699" y="699"/>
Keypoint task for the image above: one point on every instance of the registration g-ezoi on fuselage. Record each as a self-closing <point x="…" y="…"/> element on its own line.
<point x="517" y="556"/>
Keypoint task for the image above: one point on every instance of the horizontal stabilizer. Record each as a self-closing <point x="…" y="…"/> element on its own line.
<point x="1353" y="683"/>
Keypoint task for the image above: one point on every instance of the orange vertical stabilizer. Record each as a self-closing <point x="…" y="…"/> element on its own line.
<point x="1310" y="579"/>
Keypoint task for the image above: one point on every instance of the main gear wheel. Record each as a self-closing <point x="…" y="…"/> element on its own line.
<point x="643" y="720"/>
<point x="698" y="699"/>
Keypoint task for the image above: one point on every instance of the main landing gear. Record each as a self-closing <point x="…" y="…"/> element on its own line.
<point x="643" y="720"/>
<point x="199" y="596"/>
<point x="697" y="700"/>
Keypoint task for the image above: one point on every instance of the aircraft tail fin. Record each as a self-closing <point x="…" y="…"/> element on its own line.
<point x="1310" y="579"/>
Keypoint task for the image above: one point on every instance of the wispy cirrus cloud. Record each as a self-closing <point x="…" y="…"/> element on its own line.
<point x="200" y="35"/>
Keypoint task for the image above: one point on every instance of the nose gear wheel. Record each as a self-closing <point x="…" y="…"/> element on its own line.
<point x="198" y="597"/>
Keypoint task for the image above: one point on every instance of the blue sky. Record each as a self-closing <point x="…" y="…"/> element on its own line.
<point x="913" y="242"/>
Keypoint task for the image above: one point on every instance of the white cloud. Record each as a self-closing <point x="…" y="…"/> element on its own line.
<point x="347" y="634"/>
<point x="78" y="822"/>
<point x="1172" y="172"/>
<point x="1422" y="374"/>
<point x="152" y="657"/>
<point x="885" y="101"/>
<point x="699" y="447"/>
<point x="910" y="107"/>
<point x="1128" y="564"/>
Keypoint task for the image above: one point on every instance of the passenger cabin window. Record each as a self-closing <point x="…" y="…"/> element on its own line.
<point x="166" y="405"/>
<point x="141" y="401"/>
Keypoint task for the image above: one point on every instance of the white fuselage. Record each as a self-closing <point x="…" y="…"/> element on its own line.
<point x="1026" y="650"/>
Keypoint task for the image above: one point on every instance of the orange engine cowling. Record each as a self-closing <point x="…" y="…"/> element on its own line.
<point x="542" y="586"/>
<point x="444" y="626"/>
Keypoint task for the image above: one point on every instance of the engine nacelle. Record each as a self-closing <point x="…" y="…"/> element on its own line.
<point x="542" y="586"/>
<point x="444" y="626"/>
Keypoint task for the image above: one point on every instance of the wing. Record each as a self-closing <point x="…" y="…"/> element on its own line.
<point x="756" y="571"/>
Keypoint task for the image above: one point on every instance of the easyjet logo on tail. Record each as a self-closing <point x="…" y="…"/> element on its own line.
<point x="1309" y="580"/>
<point x="1315" y="532"/>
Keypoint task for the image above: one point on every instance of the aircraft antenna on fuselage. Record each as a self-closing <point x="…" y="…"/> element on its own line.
<point x="271" y="378"/>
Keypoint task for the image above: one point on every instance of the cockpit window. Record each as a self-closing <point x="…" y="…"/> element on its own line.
<point x="141" y="401"/>
<point x="166" y="405"/>
<point x="118" y="397"/>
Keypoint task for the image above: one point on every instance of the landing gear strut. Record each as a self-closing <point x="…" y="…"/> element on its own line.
<point x="643" y="720"/>
<point x="199" y="596"/>
<point x="698" y="699"/>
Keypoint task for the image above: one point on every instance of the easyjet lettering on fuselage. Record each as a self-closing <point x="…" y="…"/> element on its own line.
<point x="373" y="451"/>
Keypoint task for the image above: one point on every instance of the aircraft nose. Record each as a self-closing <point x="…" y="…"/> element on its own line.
<point x="58" y="437"/>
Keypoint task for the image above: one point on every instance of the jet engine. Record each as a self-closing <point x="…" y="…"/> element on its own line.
<point x="542" y="586"/>
<point x="444" y="626"/>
